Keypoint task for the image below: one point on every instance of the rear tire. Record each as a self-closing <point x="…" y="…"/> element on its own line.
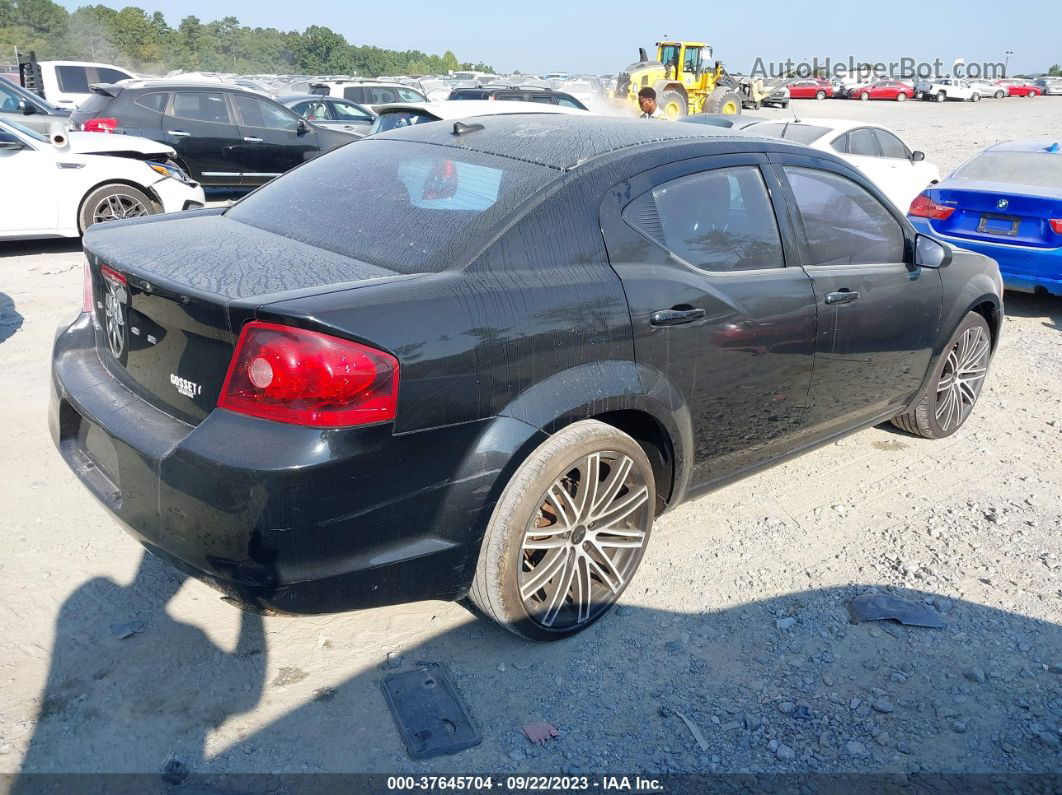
<point x="864" y="96"/>
<point x="1000" y="94"/>
<point x="956" y="383"/>
<point x="561" y="513"/>
<point x="114" y="202"/>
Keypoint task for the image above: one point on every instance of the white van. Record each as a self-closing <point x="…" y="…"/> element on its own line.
<point x="66" y="83"/>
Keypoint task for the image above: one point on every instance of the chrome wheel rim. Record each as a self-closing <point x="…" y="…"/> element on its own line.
<point x="585" y="541"/>
<point x="960" y="381"/>
<point x="117" y="207"/>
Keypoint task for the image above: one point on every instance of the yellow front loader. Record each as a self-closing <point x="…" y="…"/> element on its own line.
<point x="685" y="78"/>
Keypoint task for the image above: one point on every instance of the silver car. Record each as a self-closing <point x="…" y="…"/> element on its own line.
<point x="26" y="108"/>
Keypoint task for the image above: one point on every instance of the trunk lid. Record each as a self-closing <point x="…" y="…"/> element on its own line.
<point x="171" y="294"/>
<point x="999" y="213"/>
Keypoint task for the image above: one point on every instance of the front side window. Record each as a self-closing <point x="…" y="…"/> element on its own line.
<point x="718" y="220"/>
<point x="209" y="106"/>
<point x="8" y="99"/>
<point x="258" y="113"/>
<point x="313" y="110"/>
<point x="348" y="111"/>
<point x="409" y="95"/>
<point x="891" y="146"/>
<point x="844" y="224"/>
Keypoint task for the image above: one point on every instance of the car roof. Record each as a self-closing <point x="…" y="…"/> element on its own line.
<point x="176" y="84"/>
<point x="563" y="140"/>
<point x="1045" y="146"/>
<point x="835" y="125"/>
<point x="446" y="109"/>
<point x="320" y="97"/>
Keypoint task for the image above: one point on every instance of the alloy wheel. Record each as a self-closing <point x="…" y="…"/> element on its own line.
<point x="962" y="377"/>
<point x="118" y="206"/>
<point x="584" y="542"/>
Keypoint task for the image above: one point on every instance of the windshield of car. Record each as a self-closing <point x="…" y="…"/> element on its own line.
<point x="1039" y="169"/>
<point x="406" y="206"/>
<point x="790" y="131"/>
<point x="36" y="136"/>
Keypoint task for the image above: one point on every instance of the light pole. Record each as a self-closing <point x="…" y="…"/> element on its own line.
<point x="1006" y="62"/>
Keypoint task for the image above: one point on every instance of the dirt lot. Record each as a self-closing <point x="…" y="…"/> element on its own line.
<point x="737" y="620"/>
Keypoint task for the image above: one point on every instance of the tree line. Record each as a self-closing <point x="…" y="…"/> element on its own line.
<point x="132" y="38"/>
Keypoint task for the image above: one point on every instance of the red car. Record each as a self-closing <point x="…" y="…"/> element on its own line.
<point x="810" y="89"/>
<point x="883" y="89"/>
<point x="1023" y="90"/>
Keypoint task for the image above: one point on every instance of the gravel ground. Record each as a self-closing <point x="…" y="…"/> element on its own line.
<point x="736" y="623"/>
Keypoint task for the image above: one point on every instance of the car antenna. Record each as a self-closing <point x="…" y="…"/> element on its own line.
<point x="795" y="117"/>
<point x="460" y="128"/>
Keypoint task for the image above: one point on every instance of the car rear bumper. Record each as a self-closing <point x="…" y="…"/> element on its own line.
<point x="281" y="517"/>
<point x="1023" y="268"/>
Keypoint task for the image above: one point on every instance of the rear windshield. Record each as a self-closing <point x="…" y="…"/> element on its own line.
<point x="404" y="206"/>
<point x="1040" y="169"/>
<point x="396" y="119"/>
<point x="93" y="104"/>
<point x="801" y="133"/>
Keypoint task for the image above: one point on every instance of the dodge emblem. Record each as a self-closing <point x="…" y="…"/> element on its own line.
<point x="1002" y="204"/>
<point x="114" y="309"/>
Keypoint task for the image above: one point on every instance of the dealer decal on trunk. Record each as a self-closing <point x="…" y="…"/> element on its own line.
<point x="185" y="387"/>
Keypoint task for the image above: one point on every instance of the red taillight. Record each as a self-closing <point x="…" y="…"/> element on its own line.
<point x="307" y="378"/>
<point x="925" y="207"/>
<point x="1056" y="225"/>
<point x="107" y="272"/>
<point x="86" y="294"/>
<point x="104" y="124"/>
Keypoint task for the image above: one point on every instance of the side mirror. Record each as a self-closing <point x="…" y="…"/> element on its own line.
<point x="917" y="157"/>
<point x="27" y="108"/>
<point x="930" y="253"/>
<point x="302" y="127"/>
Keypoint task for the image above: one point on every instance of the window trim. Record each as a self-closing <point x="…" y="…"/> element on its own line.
<point x="873" y="137"/>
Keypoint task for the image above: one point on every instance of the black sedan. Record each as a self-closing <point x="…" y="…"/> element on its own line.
<point x="224" y="136"/>
<point x="488" y="369"/>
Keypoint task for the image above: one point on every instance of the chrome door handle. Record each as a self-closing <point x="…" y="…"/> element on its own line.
<point x="842" y="297"/>
<point x="178" y="133"/>
<point x="675" y="317"/>
<point x="252" y="140"/>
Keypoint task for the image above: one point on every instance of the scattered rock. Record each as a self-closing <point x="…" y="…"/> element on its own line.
<point x="976" y="674"/>
<point x="785" y="753"/>
<point x="784" y="623"/>
<point x="786" y="707"/>
<point x="539" y="731"/>
<point x="958" y="726"/>
<point x="174" y="771"/>
<point x="883" y="705"/>
<point x="856" y="748"/>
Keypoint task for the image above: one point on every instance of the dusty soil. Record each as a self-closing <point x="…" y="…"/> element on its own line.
<point x="737" y="620"/>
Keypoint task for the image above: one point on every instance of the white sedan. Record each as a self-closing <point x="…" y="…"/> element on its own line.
<point x="877" y="151"/>
<point x="59" y="185"/>
<point x="405" y="114"/>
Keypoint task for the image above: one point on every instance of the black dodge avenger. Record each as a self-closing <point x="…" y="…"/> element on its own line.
<point x="477" y="360"/>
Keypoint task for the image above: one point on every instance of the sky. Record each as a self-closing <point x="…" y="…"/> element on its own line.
<point x="603" y="37"/>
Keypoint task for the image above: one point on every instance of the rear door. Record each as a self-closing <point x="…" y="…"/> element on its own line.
<point x="200" y="126"/>
<point x="272" y="140"/>
<point x="714" y="306"/>
<point x="878" y="313"/>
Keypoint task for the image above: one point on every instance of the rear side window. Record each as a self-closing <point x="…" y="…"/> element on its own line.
<point x="72" y="79"/>
<point x="382" y="95"/>
<point x="570" y="103"/>
<point x="201" y="106"/>
<point x="717" y="220"/>
<point x="844" y="224"/>
<point x="356" y="94"/>
<point x="861" y="142"/>
<point x="155" y="101"/>
<point x="414" y="207"/>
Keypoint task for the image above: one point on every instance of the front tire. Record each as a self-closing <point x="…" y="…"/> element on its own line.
<point x="975" y="98"/>
<point x="901" y="97"/>
<point x="864" y="96"/>
<point x="956" y="383"/>
<point x="820" y="95"/>
<point x="114" y="202"/>
<point x="673" y="105"/>
<point x="568" y="533"/>
<point x="942" y="97"/>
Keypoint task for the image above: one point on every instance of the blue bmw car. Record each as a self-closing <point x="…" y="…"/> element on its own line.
<point x="1005" y="203"/>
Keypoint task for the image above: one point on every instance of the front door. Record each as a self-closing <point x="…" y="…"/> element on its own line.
<point x="273" y="139"/>
<point x="715" y="309"/>
<point x="199" y="125"/>
<point x="878" y="312"/>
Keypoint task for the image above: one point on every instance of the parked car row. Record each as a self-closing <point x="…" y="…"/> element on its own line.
<point x="940" y="90"/>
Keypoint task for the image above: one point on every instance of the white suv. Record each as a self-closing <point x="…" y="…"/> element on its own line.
<point x="367" y="92"/>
